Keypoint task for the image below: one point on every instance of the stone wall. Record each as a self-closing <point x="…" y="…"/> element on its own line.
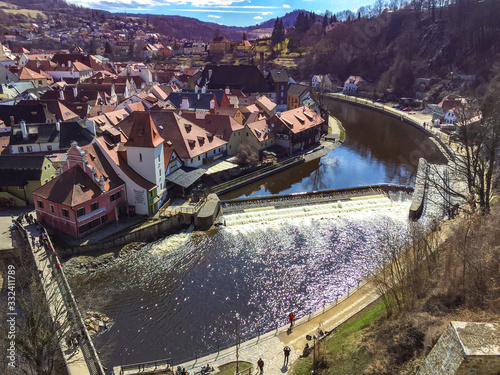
<point x="465" y="348"/>
<point x="155" y="230"/>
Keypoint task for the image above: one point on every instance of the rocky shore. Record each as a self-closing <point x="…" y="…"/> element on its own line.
<point x="99" y="261"/>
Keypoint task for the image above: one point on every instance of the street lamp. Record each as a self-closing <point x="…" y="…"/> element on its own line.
<point x="237" y="344"/>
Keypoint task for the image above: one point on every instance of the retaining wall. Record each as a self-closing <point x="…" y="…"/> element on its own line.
<point x="152" y="231"/>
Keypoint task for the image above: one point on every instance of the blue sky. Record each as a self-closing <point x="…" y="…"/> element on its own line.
<point x="225" y="12"/>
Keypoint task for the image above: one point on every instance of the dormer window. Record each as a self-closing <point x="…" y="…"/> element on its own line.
<point x="201" y="140"/>
<point x="188" y="127"/>
<point x="191" y="143"/>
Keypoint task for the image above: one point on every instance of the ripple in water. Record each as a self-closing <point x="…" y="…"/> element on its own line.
<point x="179" y="296"/>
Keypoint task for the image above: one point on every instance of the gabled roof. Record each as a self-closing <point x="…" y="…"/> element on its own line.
<point x="221" y="126"/>
<point x="189" y="140"/>
<point x="28" y="74"/>
<point x="278" y="75"/>
<point x="297" y="90"/>
<point x="196" y="100"/>
<point x="61" y="112"/>
<point x="261" y="130"/>
<point x="299" y="119"/>
<point x="248" y="78"/>
<point x="30" y="113"/>
<point x="265" y="103"/>
<point x="143" y="132"/>
<point x="21" y="162"/>
<point x="71" y="188"/>
<point x="111" y="150"/>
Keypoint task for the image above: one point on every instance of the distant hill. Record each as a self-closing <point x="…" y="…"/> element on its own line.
<point x="288" y="20"/>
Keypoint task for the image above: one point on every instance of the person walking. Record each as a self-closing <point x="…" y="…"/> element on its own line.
<point x="291" y="317"/>
<point x="260" y="363"/>
<point x="286" y="350"/>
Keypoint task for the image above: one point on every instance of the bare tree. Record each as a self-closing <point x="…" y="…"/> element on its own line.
<point x="247" y="156"/>
<point x="41" y="324"/>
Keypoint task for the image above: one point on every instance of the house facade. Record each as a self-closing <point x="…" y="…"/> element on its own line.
<point x="85" y="196"/>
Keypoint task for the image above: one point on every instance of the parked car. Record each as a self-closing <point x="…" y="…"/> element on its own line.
<point x="406" y="109"/>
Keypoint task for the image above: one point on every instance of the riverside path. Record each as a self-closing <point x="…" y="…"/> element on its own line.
<point x="80" y="360"/>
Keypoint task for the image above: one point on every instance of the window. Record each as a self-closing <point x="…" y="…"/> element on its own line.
<point x="52" y="209"/>
<point x="198" y="157"/>
<point x="94" y="206"/>
<point x="80" y="212"/>
<point x="140" y="157"/>
<point x="49" y="148"/>
<point x="115" y="196"/>
<point x="44" y="167"/>
<point x="20" y="149"/>
<point x="40" y="204"/>
<point x="65" y="212"/>
<point x="29" y="149"/>
<point x="46" y="180"/>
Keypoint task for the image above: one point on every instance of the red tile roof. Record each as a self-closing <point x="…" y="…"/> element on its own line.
<point x="144" y="132"/>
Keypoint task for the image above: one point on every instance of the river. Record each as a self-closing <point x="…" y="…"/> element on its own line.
<point x="179" y="296"/>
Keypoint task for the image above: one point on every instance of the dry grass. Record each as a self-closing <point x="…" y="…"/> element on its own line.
<point x="33" y="14"/>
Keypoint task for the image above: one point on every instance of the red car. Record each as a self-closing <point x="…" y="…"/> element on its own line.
<point x="406" y="109"/>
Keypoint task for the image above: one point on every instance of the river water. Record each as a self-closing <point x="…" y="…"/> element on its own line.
<point x="179" y="296"/>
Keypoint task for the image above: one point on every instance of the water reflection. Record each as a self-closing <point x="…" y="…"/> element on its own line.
<point x="179" y="296"/>
<point x="378" y="149"/>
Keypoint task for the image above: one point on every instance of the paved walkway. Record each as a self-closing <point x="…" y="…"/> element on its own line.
<point x="270" y="346"/>
<point x="57" y="296"/>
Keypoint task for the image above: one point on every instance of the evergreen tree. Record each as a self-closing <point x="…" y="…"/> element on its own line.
<point x="244" y="36"/>
<point x="278" y="34"/>
<point x="131" y="50"/>
<point x="359" y="15"/>
<point x="325" y="21"/>
<point x="92" y="47"/>
<point x="108" y="50"/>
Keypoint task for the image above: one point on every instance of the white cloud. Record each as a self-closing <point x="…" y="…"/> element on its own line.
<point x="150" y="3"/>
<point x="286" y="6"/>
<point x="197" y="10"/>
<point x="213" y="16"/>
<point x="266" y="13"/>
<point x="257" y="18"/>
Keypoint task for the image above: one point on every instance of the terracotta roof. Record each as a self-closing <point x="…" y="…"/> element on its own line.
<point x="357" y="80"/>
<point x="299" y="119"/>
<point x="221" y="126"/>
<point x="70" y="188"/>
<point x="144" y="132"/>
<point x="61" y="112"/>
<point x="189" y="140"/>
<point x="28" y="74"/>
<point x="111" y="150"/>
<point x="259" y="128"/>
<point x="265" y="103"/>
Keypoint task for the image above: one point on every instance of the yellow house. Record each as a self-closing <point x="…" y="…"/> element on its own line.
<point x="21" y="175"/>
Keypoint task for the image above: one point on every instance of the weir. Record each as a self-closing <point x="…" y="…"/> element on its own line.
<point x="242" y="211"/>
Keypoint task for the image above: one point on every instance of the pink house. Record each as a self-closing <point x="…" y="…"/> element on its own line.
<point x="87" y="195"/>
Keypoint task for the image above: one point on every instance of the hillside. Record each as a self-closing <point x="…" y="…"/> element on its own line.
<point x="392" y="49"/>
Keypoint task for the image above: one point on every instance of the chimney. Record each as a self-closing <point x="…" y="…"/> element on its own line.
<point x="101" y="184"/>
<point x="12" y="121"/>
<point x="58" y="126"/>
<point x="185" y="103"/>
<point x="203" y="90"/>
<point x="24" y="130"/>
<point x="196" y="89"/>
<point x="69" y="63"/>
<point x="228" y="90"/>
<point x="75" y="91"/>
<point x="261" y="62"/>
<point x="210" y="74"/>
<point x="212" y="106"/>
<point x="38" y="64"/>
<point x="103" y="75"/>
<point x="61" y="94"/>
<point x="102" y="109"/>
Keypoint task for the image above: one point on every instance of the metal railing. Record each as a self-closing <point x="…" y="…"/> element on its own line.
<point x="90" y="354"/>
<point x="261" y="173"/>
<point x="150" y="366"/>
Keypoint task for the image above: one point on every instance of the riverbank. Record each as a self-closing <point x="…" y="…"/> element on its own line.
<point x="419" y="120"/>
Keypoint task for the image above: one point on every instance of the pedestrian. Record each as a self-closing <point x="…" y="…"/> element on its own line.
<point x="291" y="317"/>
<point x="260" y="363"/>
<point x="286" y="350"/>
<point x="33" y="240"/>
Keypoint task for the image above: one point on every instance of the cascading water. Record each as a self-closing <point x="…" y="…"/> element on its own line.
<point x="178" y="297"/>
